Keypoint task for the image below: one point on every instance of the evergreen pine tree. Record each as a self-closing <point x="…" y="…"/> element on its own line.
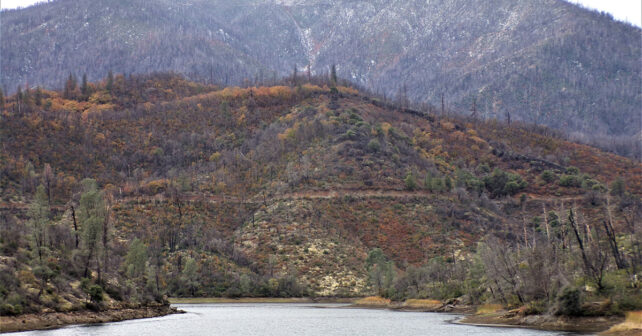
<point x="333" y="75"/>
<point x="84" y="88"/>
<point x="110" y="81"/>
<point x="19" y="97"/>
<point x="295" y="74"/>
<point x="70" y="87"/>
<point x="39" y="221"/>
<point x="92" y="216"/>
<point x="38" y="96"/>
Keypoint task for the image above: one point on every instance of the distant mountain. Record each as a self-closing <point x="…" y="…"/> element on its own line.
<point x="542" y="61"/>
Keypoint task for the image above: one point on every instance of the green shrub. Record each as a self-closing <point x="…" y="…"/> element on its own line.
<point x="570" y="181"/>
<point x="483" y="169"/>
<point x="572" y="171"/>
<point x="617" y="187"/>
<point x="114" y="293"/>
<point x="630" y="302"/>
<point x="350" y="134"/>
<point x="85" y="283"/>
<point x="512" y="187"/>
<point x="374" y="145"/>
<point x="92" y="306"/>
<point x="501" y="183"/>
<point x="535" y="308"/>
<point x="16" y="300"/>
<point x="410" y="182"/>
<point x="589" y="183"/>
<point x="428" y="182"/>
<point x="233" y="292"/>
<point x="10" y="310"/>
<point x="95" y="293"/>
<point x="448" y="184"/>
<point x="469" y="181"/>
<point x="548" y="176"/>
<point x="569" y="302"/>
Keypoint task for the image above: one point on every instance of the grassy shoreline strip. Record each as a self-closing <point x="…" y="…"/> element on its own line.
<point x="632" y="323"/>
<point x="259" y="300"/>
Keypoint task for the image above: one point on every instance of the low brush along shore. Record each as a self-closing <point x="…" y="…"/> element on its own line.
<point x="52" y="320"/>
<point x="494" y="315"/>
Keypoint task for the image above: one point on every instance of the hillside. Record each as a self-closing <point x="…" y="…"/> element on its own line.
<point x="312" y="189"/>
<point x="545" y="61"/>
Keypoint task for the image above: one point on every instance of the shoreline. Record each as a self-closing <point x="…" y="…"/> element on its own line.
<point x="470" y="315"/>
<point x="584" y="324"/>
<point x="55" y="320"/>
<point x="504" y="319"/>
<point x="501" y="319"/>
<point x="215" y="300"/>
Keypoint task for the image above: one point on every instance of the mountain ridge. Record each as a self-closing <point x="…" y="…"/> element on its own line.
<point x="544" y="62"/>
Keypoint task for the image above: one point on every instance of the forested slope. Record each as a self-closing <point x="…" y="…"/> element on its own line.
<point x="152" y="185"/>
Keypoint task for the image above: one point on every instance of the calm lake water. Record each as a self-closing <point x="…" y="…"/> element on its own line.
<point x="287" y="320"/>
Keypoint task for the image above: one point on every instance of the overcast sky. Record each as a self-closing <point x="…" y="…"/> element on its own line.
<point x="624" y="10"/>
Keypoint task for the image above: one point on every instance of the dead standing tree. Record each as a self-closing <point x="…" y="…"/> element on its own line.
<point x="594" y="259"/>
<point x="612" y="237"/>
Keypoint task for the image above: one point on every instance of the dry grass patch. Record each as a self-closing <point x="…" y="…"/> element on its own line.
<point x="633" y="322"/>
<point x="489" y="309"/>
<point x="373" y="301"/>
<point x="428" y="304"/>
<point x="240" y="300"/>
